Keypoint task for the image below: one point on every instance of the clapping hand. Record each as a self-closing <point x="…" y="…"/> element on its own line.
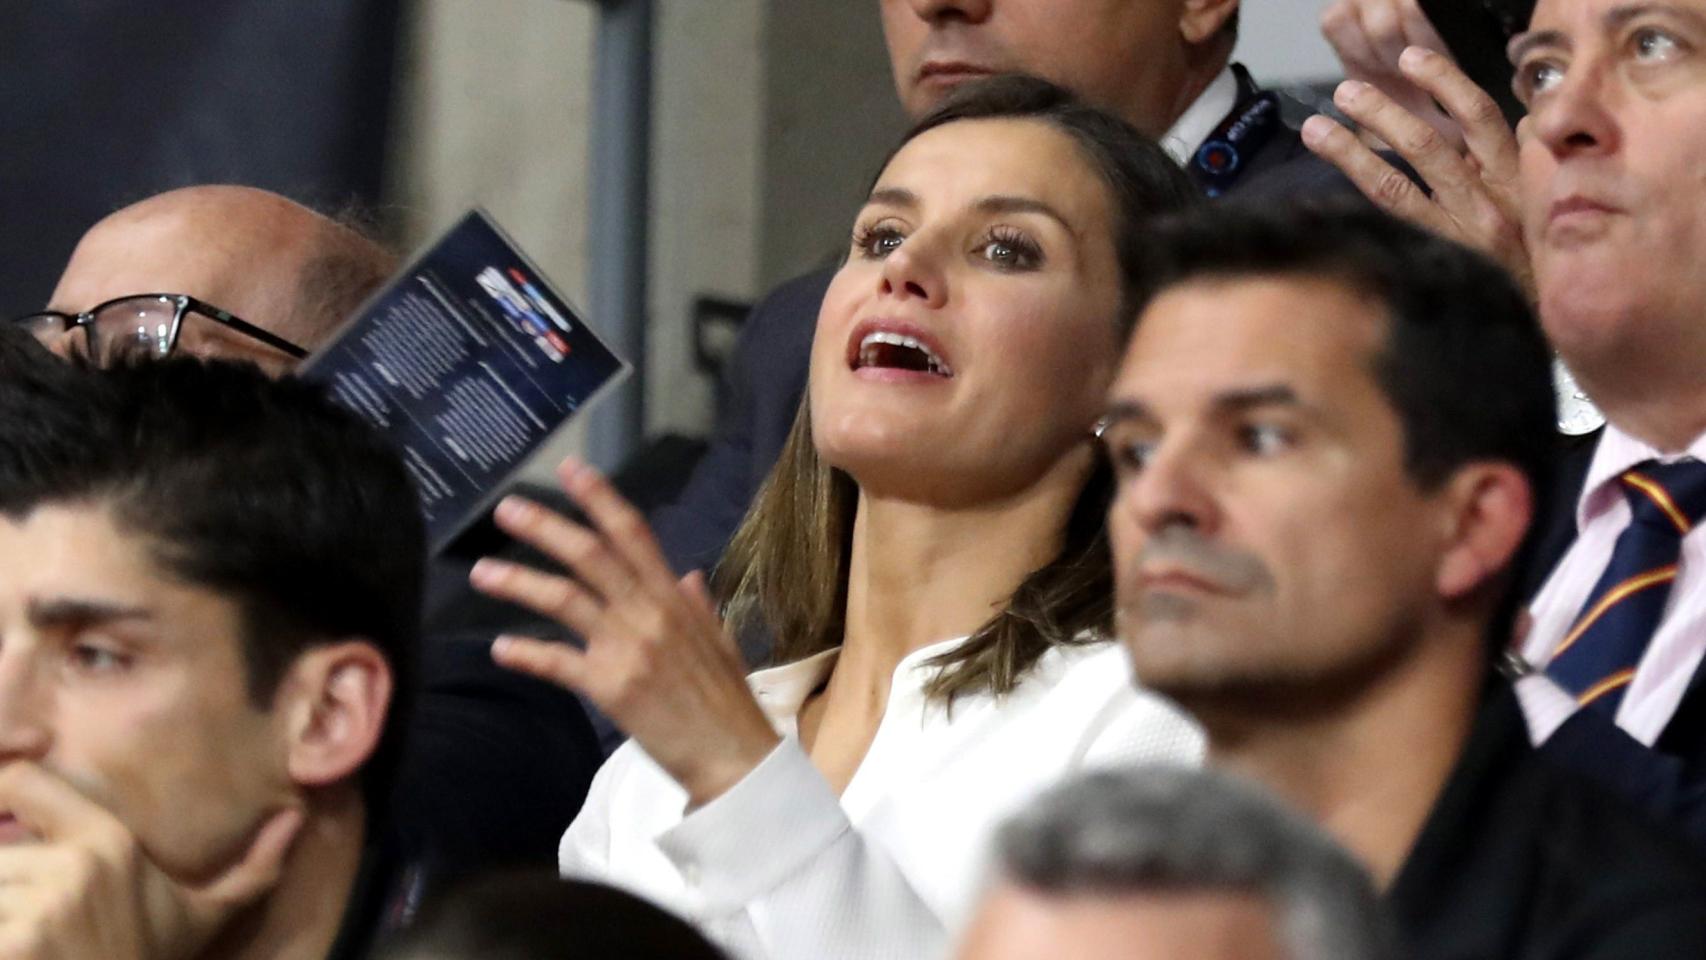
<point x="656" y="658"/>
<point x="1369" y="35"/>
<point x="84" y="887"/>
<point x="1475" y="198"/>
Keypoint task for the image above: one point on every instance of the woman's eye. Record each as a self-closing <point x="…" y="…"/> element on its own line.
<point x="1265" y="439"/>
<point x="1010" y="252"/>
<point x="877" y="242"/>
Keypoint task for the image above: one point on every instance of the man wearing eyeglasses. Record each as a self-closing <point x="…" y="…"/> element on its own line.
<point x="223" y="271"/>
<point x="233" y="272"/>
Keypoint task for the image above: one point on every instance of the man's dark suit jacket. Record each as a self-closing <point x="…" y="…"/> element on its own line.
<point x="767" y="376"/>
<point x="1668" y="781"/>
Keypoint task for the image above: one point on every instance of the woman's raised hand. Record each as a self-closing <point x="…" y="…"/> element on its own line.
<point x="656" y="658"/>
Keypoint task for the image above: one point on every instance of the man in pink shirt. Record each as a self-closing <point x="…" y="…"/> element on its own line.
<point x="1600" y="200"/>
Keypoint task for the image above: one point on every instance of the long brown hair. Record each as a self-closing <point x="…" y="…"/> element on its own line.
<point x="785" y="572"/>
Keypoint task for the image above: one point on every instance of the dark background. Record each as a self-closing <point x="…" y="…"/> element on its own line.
<point x="103" y="102"/>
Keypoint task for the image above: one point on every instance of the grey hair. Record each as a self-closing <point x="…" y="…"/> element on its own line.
<point x="1173" y="829"/>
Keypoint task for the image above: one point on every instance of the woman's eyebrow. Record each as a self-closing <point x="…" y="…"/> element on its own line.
<point x="1001" y="203"/>
<point x="893" y="197"/>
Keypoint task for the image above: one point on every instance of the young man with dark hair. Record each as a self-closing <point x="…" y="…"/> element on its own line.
<point x="209" y="596"/>
<point x="1331" y="432"/>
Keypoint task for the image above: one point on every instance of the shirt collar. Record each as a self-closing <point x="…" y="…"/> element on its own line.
<point x="1212" y="106"/>
<point x="781" y="691"/>
<point x="1617" y="452"/>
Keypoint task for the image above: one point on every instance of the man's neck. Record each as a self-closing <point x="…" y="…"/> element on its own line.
<point x="1366" y="765"/>
<point x="1197" y="80"/>
<point x="301" y="917"/>
<point x="1668" y="421"/>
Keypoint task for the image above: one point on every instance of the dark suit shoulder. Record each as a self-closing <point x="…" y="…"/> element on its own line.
<point x="766" y="380"/>
<point x="792" y="302"/>
<point x="1285" y="167"/>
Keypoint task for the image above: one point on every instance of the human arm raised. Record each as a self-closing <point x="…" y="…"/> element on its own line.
<point x="765" y="844"/>
<point x="1369" y="35"/>
<point x="1472" y="194"/>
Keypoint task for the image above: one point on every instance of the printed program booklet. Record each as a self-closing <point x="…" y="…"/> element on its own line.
<point x="469" y="360"/>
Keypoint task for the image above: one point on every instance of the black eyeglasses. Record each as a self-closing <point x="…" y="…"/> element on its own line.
<point x="154" y="325"/>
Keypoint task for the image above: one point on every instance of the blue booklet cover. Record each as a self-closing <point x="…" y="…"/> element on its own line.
<point x="469" y="360"/>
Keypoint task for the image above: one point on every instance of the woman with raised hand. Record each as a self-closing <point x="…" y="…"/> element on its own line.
<point x="928" y="555"/>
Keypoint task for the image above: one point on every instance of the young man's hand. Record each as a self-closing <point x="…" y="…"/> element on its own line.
<point x="85" y="888"/>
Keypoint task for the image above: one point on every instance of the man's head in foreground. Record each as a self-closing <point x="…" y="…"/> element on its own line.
<point x="1143" y="61"/>
<point x="272" y="263"/>
<point x="1613" y="183"/>
<point x="540" y="916"/>
<point x="209" y="585"/>
<point x="1159" y="863"/>
<point x="1329" y="432"/>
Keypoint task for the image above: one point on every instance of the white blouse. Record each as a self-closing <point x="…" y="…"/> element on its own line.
<point x="780" y="867"/>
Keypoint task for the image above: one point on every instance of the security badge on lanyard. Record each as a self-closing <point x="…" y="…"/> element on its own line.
<point x="1221" y="160"/>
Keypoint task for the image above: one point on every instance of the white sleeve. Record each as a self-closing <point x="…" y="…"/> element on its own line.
<point x="778" y="849"/>
<point x="584" y="851"/>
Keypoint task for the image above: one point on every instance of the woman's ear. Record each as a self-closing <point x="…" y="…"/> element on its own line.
<point x="340" y="694"/>
<point x="1201" y="19"/>
<point x="1490" y="506"/>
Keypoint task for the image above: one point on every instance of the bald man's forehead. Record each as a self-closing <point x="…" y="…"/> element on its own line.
<point x="240" y="267"/>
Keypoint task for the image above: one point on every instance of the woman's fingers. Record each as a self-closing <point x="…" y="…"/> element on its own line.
<point x="581" y="551"/>
<point x="624" y="528"/>
<point x="710" y="618"/>
<point x="556" y="663"/>
<point x="558" y="598"/>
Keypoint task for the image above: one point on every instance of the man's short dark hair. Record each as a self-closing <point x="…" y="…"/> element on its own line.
<point x="1464" y="363"/>
<point x="1162" y="829"/>
<point x="262" y="491"/>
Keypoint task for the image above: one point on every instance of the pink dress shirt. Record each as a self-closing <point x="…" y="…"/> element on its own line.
<point x="1674" y="653"/>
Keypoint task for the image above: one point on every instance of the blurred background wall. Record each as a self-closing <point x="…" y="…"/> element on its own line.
<point x="769" y="117"/>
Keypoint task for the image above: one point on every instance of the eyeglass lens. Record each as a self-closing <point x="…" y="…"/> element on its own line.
<point x="136" y="327"/>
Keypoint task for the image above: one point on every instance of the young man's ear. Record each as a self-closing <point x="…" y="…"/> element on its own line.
<point x="1490" y="506"/>
<point x="1200" y="20"/>
<point x="338" y="697"/>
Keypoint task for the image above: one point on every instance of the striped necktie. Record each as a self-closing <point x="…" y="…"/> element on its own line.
<point x="1596" y="660"/>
